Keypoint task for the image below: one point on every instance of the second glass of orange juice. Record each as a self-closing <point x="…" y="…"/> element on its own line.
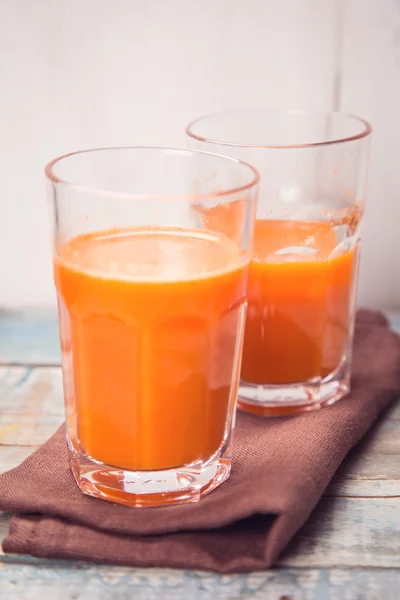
<point x="303" y="275"/>
<point x="151" y="302"/>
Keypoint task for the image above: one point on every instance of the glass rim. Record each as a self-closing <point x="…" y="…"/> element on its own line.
<point x="366" y="131"/>
<point x="51" y="176"/>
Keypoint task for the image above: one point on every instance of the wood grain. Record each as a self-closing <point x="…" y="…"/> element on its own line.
<point x="56" y="580"/>
<point x="349" y="548"/>
<point x="29" y="337"/>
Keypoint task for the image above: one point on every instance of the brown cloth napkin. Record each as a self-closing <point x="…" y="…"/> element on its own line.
<point x="280" y="469"/>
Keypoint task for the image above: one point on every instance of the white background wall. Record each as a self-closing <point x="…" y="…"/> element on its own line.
<point x="83" y="73"/>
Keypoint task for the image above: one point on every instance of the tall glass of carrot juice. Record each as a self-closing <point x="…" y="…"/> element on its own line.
<point x="151" y="304"/>
<point x="303" y="274"/>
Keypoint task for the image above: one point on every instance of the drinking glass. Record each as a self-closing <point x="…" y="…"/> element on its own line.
<point x="303" y="275"/>
<point x="151" y="305"/>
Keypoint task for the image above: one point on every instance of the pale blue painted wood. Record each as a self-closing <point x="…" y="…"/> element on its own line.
<point x="56" y="580"/>
<point x="29" y="337"/>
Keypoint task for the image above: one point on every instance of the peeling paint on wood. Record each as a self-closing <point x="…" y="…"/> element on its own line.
<point x="350" y="547"/>
<point x="47" y="582"/>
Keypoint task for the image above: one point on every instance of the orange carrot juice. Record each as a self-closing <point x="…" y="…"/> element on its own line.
<point x="298" y="303"/>
<point x="153" y="321"/>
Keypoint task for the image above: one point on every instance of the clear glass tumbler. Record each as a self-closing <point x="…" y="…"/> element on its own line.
<point x="303" y="276"/>
<point x="151" y="303"/>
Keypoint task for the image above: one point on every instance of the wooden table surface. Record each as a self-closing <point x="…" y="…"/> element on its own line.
<point x="349" y="549"/>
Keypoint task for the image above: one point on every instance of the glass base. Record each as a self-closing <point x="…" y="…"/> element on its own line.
<point x="292" y="399"/>
<point x="179" y="485"/>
